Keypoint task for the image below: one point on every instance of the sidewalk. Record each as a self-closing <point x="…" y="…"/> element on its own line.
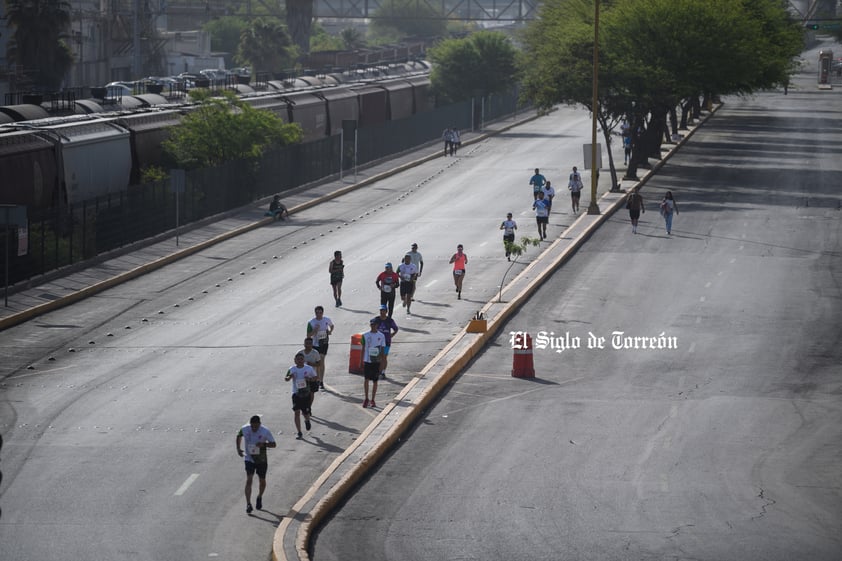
<point x="73" y="283"/>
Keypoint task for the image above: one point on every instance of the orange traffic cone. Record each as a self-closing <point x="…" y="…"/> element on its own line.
<point x="355" y="359"/>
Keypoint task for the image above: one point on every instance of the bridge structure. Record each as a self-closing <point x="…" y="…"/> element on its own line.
<point x="457" y="10"/>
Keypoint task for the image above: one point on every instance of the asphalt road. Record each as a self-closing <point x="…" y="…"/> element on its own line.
<point x="119" y="413"/>
<point x="726" y="447"/>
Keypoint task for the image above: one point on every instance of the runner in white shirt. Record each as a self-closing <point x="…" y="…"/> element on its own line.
<point x="319" y="329"/>
<point x="408" y="274"/>
<point x="508" y="226"/>
<point x="301" y="375"/>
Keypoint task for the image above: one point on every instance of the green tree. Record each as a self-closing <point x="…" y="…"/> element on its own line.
<point x="655" y="55"/>
<point x="480" y="64"/>
<point x="352" y="39"/>
<point x="398" y="19"/>
<point x="225" y="33"/>
<point x="321" y="40"/>
<point x="224" y="129"/>
<point x="38" y="41"/>
<point x="266" y="46"/>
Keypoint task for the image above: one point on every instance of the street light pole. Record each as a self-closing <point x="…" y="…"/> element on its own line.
<point x="593" y="207"/>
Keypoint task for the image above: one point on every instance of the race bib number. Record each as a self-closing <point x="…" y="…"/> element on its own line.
<point x="254" y="450"/>
<point x="301" y="383"/>
<point x="374" y="352"/>
<point x="458" y="272"/>
<point x="321" y="335"/>
<point x="387" y="288"/>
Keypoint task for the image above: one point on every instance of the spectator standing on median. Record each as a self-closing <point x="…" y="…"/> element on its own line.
<point x="336" y="269"/>
<point x="373" y="346"/>
<point x="508" y="226"/>
<point x="389" y="329"/>
<point x="252" y="441"/>
<point x="320" y="329"/>
<point x="634" y="203"/>
<point x="537" y="181"/>
<point x="301" y="375"/>
<point x="418" y="261"/>
<point x="668" y="207"/>
<point x="387" y="283"/>
<point x="575" y="185"/>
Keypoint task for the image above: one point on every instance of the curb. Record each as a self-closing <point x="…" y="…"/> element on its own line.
<point x="412" y="411"/>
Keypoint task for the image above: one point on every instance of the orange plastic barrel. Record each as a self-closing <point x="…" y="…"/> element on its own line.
<point x="355" y="358"/>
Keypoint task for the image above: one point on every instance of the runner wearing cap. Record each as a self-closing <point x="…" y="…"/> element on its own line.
<point x="387" y="283"/>
<point x="373" y="344"/>
<point x="508" y="226"/>
<point x="418" y="261"/>
<point x="388" y="328"/>
<point x="408" y="274"/>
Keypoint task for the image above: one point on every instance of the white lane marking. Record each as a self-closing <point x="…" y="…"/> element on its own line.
<point x="431" y="283"/>
<point x="692" y="347"/>
<point x="483" y="244"/>
<point x="186" y="484"/>
<point x="702" y="299"/>
<point x="733" y="261"/>
<point x="707" y="285"/>
<point x="698" y="320"/>
<point x="674" y="411"/>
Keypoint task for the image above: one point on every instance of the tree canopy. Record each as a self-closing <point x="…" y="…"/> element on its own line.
<point x="38" y="41"/>
<point x="656" y="54"/>
<point x="266" y="46"/>
<point x="480" y="64"/>
<point x="398" y="19"/>
<point x="224" y="129"/>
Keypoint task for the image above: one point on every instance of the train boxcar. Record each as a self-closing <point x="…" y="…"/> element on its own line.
<point x="342" y="105"/>
<point x="148" y="132"/>
<point x="28" y="168"/>
<point x="95" y="157"/>
<point x="24" y="112"/>
<point x="309" y="111"/>
<point x="373" y="103"/>
<point x="400" y="98"/>
<point x="421" y="99"/>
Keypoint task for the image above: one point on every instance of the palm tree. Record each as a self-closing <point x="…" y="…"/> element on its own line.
<point x="37" y="44"/>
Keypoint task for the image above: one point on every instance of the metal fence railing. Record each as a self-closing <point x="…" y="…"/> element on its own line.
<point x="68" y="234"/>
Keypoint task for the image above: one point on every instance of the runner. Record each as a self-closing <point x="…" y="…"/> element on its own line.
<point x="336" y="268"/>
<point x="408" y="274"/>
<point x="508" y="226"/>
<point x="459" y="260"/>
<point x="319" y="329"/>
<point x="301" y="375"/>
<point x="418" y="261"/>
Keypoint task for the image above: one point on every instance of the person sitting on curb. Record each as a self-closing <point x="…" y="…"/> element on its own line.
<point x="277" y="210"/>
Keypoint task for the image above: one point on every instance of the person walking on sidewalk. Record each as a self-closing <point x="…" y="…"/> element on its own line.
<point x="447" y="136"/>
<point x="336" y="269"/>
<point x="301" y="375"/>
<point x="542" y="215"/>
<point x="460" y="261"/>
<point x="575" y="185"/>
<point x="537" y="181"/>
<point x="388" y="283"/>
<point x="634" y="204"/>
<point x="320" y="329"/>
<point x="252" y="441"/>
<point x="508" y="226"/>
<point x="408" y="274"/>
<point x="389" y="329"/>
<point x="373" y="347"/>
<point x="668" y="207"/>
<point x="418" y="261"/>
